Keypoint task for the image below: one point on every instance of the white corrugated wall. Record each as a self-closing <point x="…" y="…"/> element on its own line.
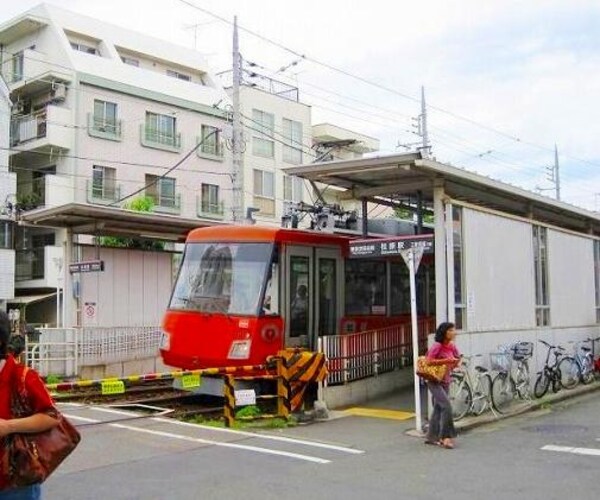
<point x="571" y="279"/>
<point x="498" y="271"/>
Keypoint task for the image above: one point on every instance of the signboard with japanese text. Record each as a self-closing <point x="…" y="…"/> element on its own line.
<point x="382" y="247"/>
<point x="90" y="266"/>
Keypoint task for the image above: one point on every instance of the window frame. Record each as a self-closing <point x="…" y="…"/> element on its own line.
<point x="541" y="275"/>
<point x="293" y="188"/>
<point x="263" y="144"/>
<point x="292" y="154"/>
<point x="104" y="191"/>
<point x="210" y="201"/>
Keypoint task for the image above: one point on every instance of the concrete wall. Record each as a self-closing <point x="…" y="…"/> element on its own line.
<point x="133" y="290"/>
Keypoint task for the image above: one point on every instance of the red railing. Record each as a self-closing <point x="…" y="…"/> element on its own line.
<point x="365" y="354"/>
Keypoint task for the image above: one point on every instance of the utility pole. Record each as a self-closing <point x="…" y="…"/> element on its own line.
<point x="237" y="137"/>
<point x="425" y="148"/>
<point x="421" y="125"/>
<point x="553" y="174"/>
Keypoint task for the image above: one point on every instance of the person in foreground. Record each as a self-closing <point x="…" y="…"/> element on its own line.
<point x="442" y="352"/>
<point x="42" y="419"/>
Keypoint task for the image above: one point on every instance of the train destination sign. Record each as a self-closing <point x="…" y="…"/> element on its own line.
<point x="390" y="246"/>
<point x="90" y="266"/>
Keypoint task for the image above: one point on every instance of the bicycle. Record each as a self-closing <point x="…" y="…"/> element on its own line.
<point x="513" y="378"/>
<point x="470" y="390"/>
<point x="584" y="356"/>
<point x="563" y="373"/>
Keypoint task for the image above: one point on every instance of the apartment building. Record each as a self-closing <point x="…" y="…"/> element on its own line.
<point x="278" y="133"/>
<point x="99" y="112"/>
<point x="8" y="187"/>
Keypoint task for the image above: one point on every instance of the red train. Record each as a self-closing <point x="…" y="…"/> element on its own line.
<point x="245" y="292"/>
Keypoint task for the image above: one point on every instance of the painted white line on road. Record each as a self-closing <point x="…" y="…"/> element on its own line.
<point x="180" y="437"/>
<point x="282" y="439"/>
<point x="570" y="449"/>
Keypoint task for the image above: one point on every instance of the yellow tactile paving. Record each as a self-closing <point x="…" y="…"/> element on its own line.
<point x="380" y="413"/>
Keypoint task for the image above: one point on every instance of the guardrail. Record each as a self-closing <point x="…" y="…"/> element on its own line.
<point x="366" y="354"/>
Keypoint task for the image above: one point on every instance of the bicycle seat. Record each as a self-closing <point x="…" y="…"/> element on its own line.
<point x="585" y="349"/>
<point x="481" y="369"/>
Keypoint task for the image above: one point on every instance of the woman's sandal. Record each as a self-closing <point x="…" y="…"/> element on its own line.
<point x="447" y="443"/>
<point x="433" y="443"/>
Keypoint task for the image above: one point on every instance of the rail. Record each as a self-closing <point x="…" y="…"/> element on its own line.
<point x="366" y="354"/>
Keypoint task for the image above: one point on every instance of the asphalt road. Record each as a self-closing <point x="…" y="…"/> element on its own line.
<point x="549" y="454"/>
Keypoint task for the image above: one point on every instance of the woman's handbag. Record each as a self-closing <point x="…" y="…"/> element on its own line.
<point x="430" y="372"/>
<point x="33" y="457"/>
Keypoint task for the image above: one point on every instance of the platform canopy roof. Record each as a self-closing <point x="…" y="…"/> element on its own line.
<point x="104" y="221"/>
<point x="396" y="179"/>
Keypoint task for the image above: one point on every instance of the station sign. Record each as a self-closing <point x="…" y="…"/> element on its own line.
<point x="90" y="266"/>
<point x="383" y="247"/>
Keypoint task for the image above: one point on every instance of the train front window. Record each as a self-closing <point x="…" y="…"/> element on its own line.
<point x="222" y="277"/>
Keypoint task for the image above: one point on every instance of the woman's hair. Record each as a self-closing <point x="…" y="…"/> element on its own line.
<point x="4" y="333"/>
<point x="440" y="333"/>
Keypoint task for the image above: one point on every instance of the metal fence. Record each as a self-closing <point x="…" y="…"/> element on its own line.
<point x="62" y="351"/>
<point x="359" y="355"/>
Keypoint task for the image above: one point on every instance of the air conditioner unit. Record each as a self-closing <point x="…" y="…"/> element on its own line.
<point x="59" y="92"/>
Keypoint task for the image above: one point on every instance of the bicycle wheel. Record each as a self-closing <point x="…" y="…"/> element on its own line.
<point x="569" y="372"/>
<point x="587" y="369"/>
<point x="503" y="392"/>
<point x="482" y="394"/>
<point x="541" y="384"/>
<point x="460" y="396"/>
<point x="523" y="381"/>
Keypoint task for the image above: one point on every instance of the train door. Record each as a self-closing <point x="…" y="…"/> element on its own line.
<point x="299" y="306"/>
<point x="328" y="291"/>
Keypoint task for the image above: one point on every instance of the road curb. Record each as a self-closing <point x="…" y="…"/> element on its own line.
<point x="470" y="423"/>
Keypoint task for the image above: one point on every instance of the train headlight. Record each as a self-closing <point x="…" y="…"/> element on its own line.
<point x="240" y="349"/>
<point x="165" y="341"/>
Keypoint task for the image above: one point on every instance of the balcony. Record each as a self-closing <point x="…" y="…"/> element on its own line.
<point x="210" y="151"/>
<point x="104" y="129"/>
<point x="36" y="267"/>
<point x="29" y="72"/>
<point x="47" y="191"/>
<point x="210" y="210"/>
<point x="43" y="130"/>
<point x="166" y="204"/>
<point x="102" y="194"/>
<point x="156" y="139"/>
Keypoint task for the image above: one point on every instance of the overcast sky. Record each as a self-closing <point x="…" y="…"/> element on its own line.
<point x="505" y="80"/>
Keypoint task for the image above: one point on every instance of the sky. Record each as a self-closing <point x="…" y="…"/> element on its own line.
<point x="504" y="80"/>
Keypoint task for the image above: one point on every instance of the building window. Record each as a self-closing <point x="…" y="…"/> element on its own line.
<point x="82" y="47"/>
<point x="104" y="183"/>
<point x="179" y="76"/>
<point x="17" y="67"/>
<point x="211" y="141"/>
<point x="6" y="234"/>
<point x="210" y="199"/>
<point x="597" y="277"/>
<point x="264" y="126"/>
<point x="292" y="188"/>
<point x="105" y="117"/>
<point x="162" y="191"/>
<point x="264" y="192"/>
<point x="459" y="282"/>
<point x="161" y="129"/>
<point x="365" y="287"/>
<point x="540" y="265"/>
<point x="292" y="132"/>
<point x="131" y="61"/>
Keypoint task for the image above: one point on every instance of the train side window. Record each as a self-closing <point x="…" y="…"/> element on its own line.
<point x="299" y="295"/>
<point x="365" y="287"/>
<point x="271" y="300"/>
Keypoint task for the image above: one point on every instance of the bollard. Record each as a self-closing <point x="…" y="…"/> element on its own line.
<point x="283" y="389"/>
<point x="229" y="395"/>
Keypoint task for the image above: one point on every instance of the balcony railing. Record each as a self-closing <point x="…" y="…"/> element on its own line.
<point x="104" y="129"/>
<point x="46" y="128"/>
<point x="102" y="193"/>
<point x="29" y="127"/>
<point x="211" y="210"/>
<point x="153" y="138"/>
<point x="166" y="204"/>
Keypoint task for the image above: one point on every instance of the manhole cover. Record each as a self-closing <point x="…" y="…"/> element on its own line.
<point x="556" y="428"/>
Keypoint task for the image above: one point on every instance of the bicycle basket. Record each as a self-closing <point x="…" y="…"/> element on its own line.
<point x="500" y="361"/>
<point x="522" y="350"/>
